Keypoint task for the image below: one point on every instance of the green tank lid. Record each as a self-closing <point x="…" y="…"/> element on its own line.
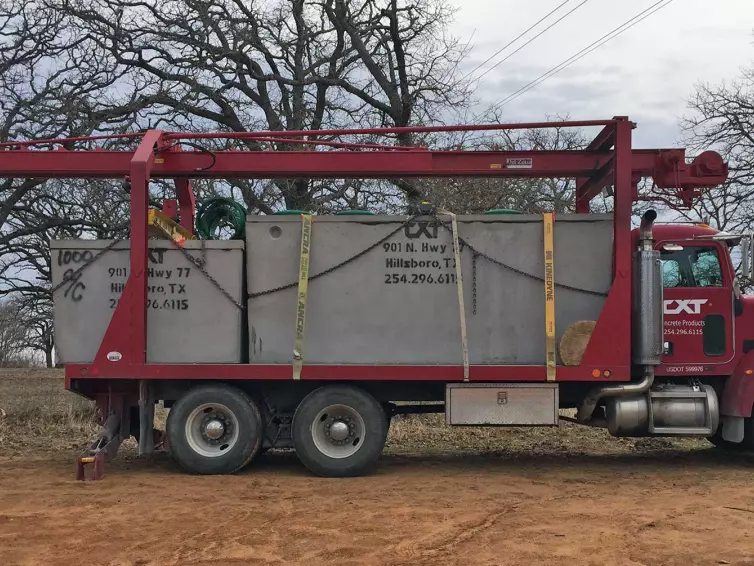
<point x="502" y="211"/>
<point x="291" y="212"/>
<point x="354" y="212"/>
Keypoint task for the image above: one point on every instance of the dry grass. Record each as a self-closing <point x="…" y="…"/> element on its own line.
<point x="41" y="415"/>
<point x="428" y="434"/>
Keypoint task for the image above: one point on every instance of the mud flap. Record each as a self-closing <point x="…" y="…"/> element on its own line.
<point x="733" y="428"/>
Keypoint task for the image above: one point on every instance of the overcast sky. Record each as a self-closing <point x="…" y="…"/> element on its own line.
<point x="647" y="73"/>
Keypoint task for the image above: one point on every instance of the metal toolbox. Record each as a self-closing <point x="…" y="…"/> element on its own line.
<point x="501" y="404"/>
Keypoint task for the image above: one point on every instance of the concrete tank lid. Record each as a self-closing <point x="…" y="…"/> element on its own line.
<point x="154" y="244"/>
<point x="386" y="219"/>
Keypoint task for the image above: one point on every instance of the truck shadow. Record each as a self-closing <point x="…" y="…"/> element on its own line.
<point x="285" y="463"/>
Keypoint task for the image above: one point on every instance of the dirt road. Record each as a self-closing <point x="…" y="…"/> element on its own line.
<point x="662" y="508"/>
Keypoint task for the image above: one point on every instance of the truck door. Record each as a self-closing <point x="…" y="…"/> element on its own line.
<point x="698" y="307"/>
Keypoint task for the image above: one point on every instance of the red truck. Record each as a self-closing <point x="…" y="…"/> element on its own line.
<point x="654" y="339"/>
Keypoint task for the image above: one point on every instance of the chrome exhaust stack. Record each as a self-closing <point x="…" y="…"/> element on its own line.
<point x="646" y="241"/>
<point x="646" y="321"/>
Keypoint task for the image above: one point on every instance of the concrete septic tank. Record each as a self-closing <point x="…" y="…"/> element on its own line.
<point x="398" y="303"/>
<point x="188" y="318"/>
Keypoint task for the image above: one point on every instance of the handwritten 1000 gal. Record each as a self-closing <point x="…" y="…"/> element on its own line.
<point x="167" y="292"/>
<point x="435" y="264"/>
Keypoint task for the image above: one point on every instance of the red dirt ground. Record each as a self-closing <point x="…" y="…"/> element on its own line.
<point x="670" y="508"/>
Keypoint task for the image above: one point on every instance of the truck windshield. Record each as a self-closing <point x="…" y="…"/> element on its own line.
<point x="691" y="267"/>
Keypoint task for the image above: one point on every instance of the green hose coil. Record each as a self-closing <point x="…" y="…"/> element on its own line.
<point x="219" y="212"/>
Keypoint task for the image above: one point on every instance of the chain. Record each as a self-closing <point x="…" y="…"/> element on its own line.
<point x="74" y="274"/>
<point x="518" y="271"/>
<point x="203" y="259"/>
<point x="200" y="264"/>
<point x="473" y="282"/>
<point x="339" y="265"/>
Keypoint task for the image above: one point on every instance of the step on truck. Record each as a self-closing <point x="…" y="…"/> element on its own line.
<point x="311" y="331"/>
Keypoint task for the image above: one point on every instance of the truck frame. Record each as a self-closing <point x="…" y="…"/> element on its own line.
<point x="614" y="364"/>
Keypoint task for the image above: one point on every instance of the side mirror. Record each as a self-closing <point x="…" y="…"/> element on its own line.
<point x="747" y="265"/>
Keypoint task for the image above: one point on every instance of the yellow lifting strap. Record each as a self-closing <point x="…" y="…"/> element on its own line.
<point x="303" y="287"/>
<point x="459" y="287"/>
<point x="548" y="218"/>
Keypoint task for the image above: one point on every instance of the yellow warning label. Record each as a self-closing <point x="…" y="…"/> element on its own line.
<point x="548" y="218"/>
<point x="303" y="287"/>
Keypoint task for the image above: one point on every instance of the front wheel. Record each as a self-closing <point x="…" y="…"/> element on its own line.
<point x="214" y="429"/>
<point x="339" y="431"/>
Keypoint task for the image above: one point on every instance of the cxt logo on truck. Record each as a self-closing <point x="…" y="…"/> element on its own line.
<point x="685" y="306"/>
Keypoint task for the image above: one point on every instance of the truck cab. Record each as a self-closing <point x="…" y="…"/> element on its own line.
<point x="699" y="300"/>
<point x="708" y="324"/>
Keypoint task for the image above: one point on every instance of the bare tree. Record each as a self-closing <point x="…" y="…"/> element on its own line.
<point x="471" y="196"/>
<point x="284" y="65"/>
<point x="12" y="335"/>
<point x="723" y="119"/>
<point x="54" y="83"/>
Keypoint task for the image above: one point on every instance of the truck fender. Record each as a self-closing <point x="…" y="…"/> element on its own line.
<point x="738" y="394"/>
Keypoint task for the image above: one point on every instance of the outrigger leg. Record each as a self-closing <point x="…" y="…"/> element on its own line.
<point x="103" y="449"/>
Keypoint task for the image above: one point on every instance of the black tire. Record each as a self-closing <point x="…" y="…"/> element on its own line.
<point x="366" y="437"/>
<point x="241" y="446"/>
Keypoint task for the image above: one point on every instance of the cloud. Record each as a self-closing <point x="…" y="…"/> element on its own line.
<point x="648" y="73"/>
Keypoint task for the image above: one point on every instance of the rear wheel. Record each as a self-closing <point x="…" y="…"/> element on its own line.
<point x="214" y="429"/>
<point x="339" y="431"/>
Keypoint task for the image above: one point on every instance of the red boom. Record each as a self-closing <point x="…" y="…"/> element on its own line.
<point x="608" y="160"/>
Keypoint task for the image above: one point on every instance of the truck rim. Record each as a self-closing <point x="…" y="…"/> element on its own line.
<point x="212" y="430"/>
<point x="338" y="431"/>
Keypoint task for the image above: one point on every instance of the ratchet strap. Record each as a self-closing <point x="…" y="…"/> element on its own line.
<point x="303" y="287"/>
<point x="548" y="220"/>
<point x="459" y="287"/>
